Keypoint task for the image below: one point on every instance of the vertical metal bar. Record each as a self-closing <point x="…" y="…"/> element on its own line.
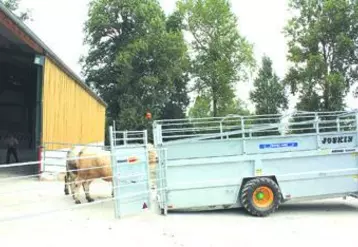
<point x="338" y="125"/>
<point x="153" y="133"/>
<point x="147" y="169"/>
<point x="165" y="187"/>
<point x="221" y="130"/>
<point x="125" y="137"/>
<point x="159" y="134"/>
<point x="356" y="115"/>
<point x="159" y="176"/>
<point x="38" y="122"/>
<point x="145" y="137"/>
<point x="317" y="131"/>
<point x="41" y="154"/>
<point x="114" y="175"/>
<point x="243" y="135"/>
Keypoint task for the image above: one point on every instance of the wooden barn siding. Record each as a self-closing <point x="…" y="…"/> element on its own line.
<point x="70" y="114"/>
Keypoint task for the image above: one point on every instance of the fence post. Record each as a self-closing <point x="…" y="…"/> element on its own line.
<point x="317" y="131"/>
<point x="39" y="156"/>
<point x="356" y="120"/>
<point x="114" y="172"/>
<point x="243" y="135"/>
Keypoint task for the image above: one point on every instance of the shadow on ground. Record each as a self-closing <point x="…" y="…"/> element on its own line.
<point x="293" y="208"/>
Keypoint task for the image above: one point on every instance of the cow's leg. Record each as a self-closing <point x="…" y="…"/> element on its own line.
<point x="76" y="191"/>
<point x="112" y="188"/>
<point x="86" y="186"/>
<point x="71" y="182"/>
<point x="66" y="184"/>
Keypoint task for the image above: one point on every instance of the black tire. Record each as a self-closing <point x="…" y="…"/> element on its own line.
<point x="246" y="196"/>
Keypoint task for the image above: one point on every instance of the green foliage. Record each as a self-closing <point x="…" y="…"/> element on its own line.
<point x="13" y="6"/>
<point x="233" y="107"/>
<point x="221" y="55"/>
<point x="269" y="95"/>
<point x="323" y="37"/>
<point x="137" y="61"/>
<point x="202" y="108"/>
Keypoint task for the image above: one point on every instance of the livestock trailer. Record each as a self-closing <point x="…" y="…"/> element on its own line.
<point x="256" y="162"/>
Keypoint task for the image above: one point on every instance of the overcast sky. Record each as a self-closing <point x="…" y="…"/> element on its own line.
<point x="59" y="24"/>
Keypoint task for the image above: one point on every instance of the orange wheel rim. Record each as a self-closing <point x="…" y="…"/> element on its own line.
<point x="263" y="197"/>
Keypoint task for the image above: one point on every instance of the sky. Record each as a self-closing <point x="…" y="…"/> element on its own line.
<point x="59" y="23"/>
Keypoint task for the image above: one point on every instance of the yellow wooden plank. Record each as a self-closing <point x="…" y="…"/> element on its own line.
<point x="70" y="114"/>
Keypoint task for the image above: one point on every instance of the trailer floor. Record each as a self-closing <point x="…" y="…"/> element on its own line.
<point x="321" y="223"/>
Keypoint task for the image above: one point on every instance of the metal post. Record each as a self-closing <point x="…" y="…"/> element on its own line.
<point x="154" y="130"/>
<point x="243" y="135"/>
<point x="114" y="174"/>
<point x="145" y="137"/>
<point x="165" y="187"/>
<point x="159" y="135"/>
<point x="125" y="136"/>
<point x="317" y="131"/>
<point x="147" y="167"/>
<point x="38" y="122"/>
<point x="40" y="158"/>
<point x="356" y="115"/>
<point x="338" y="124"/>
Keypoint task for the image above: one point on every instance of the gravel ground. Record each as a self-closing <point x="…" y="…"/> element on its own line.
<point x="325" y="222"/>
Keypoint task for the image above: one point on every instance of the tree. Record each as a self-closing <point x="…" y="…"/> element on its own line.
<point x="235" y="106"/>
<point x="137" y="61"/>
<point x="221" y="56"/>
<point x="269" y="94"/>
<point x="202" y="108"/>
<point x="323" y="39"/>
<point x="179" y="101"/>
<point x="13" y="6"/>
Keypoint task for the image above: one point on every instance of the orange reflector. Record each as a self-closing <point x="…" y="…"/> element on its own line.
<point x="132" y="159"/>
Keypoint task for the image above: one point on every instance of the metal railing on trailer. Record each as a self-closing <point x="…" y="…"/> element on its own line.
<point x="236" y="126"/>
<point x="207" y="161"/>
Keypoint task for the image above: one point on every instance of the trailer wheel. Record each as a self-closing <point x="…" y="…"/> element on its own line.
<point x="260" y="196"/>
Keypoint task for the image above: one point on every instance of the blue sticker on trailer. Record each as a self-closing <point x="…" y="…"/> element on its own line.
<point x="279" y="145"/>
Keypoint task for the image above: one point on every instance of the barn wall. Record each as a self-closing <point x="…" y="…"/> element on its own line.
<point x="70" y="114"/>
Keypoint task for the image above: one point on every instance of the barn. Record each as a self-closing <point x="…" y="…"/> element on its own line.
<point x="42" y="102"/>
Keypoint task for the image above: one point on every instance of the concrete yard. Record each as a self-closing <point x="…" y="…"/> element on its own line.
<point x="326" y="222"/>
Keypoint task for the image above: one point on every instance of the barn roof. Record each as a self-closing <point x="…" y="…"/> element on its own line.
<point x="39" y="46"/>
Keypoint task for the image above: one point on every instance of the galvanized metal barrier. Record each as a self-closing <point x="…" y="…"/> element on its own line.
<point x="130" y="171"/>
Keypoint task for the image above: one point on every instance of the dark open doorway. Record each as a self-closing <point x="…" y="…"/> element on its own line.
<point x="18" y="100"/>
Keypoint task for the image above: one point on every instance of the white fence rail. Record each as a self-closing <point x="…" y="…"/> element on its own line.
<point x="53" y="160"/>
<point x="23" y="196"/>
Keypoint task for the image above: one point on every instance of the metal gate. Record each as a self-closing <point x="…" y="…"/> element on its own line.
<point x="130" y="171"/>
